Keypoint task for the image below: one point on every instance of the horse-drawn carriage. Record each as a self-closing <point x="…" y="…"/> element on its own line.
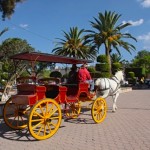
<point x="40" y="104"/>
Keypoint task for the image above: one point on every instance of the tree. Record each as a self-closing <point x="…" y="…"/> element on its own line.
<point x="142" y="59"/>
<point x="75" y="45"/>
<point x="107" y="32"/>
<point x="1" y="33"/>
<point x="116" y="58"/>
<point x="9" y="70"/>
<point x="13" y="46"/>
<point x="7" y="7"/>
<point x="10" y="47"/>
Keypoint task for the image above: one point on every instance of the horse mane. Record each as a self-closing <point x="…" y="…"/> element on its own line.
<point x="97" y="81"/>
<point x="118" y="71"/>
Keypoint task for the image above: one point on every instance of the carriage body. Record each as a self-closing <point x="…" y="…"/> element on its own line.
<point x="40" y="104"/>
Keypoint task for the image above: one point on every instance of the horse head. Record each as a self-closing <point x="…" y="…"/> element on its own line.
<point x="120" y="76"/>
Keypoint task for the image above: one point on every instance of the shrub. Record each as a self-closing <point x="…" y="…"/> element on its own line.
<point x="102" y="59"/>
<point x="102" y="67"/>
<point x="115" y="67"/>
<point x="131" y="74"/>
<point x="91" y="69"/>
<point x="56" y="74"/>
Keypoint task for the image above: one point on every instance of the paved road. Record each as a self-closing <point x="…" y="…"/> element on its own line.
<point x="127" y="129"/>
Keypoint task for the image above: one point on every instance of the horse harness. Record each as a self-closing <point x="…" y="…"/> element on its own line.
<point x="118" y="83"/>
<point x="107" y="88"/>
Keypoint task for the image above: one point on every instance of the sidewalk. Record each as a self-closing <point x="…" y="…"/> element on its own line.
<point x="127" y="129"/>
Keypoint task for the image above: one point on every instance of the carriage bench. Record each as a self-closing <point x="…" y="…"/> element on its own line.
<point x="29" y="94"/>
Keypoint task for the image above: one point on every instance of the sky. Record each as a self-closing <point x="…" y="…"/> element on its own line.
<point x="41" y="22"/>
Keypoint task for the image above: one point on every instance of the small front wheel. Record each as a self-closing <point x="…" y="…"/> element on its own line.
<point x="73" y="109"/>
<point x="99" y="110"/>
<point x="44" y="119"/>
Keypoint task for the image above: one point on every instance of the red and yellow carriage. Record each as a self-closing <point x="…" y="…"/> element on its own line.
<point x="40" y="104"/>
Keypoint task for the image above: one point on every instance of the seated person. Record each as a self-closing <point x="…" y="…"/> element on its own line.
<point x="84" y="76"/>
<point x="72" y="77"/>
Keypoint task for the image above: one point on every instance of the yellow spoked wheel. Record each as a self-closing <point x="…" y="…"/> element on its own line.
<point x="73" y="109"/>
<point x="44" y="119"/>
<point x="15" y="115"/>
<point x="99" y="110"/>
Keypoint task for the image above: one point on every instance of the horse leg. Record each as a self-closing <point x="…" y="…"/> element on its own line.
<point x="105" y="93"/>
<point x="114" y="102"/>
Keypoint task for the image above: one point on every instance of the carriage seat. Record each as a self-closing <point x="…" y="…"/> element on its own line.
<point x="49" y="81"/>
<point x="29" y="94"/>
<point x="26" y="89"/>
<point x="77" y="89"/>
<point x="72" y="89"/>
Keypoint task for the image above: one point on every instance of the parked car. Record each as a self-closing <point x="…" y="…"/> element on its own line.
<point x="147" y="82"/>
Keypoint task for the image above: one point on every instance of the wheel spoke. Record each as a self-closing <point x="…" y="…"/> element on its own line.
<point x="44" y="130"/>
<point x="51" y="109"/>
<point x="36" y="113"/>
<point x="54" y="118"/>
<point x="53" y="112"/>
<point x="41" y="110"/>
<point x="37" y="120"/>
<point x="47" y="107"/>
<point x="40" y="129"/>
<point x="53" y="124"/>
<point x="33" y="127"/>
<point x="48" y="125"/>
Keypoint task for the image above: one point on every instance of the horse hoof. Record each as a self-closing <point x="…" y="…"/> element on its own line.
<point x="113" y="111"/>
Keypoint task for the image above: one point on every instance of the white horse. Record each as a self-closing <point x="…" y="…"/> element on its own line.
<point x="110" y="87"/>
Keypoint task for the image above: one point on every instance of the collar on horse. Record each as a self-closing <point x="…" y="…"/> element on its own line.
<point x="118" y="83"/>
<point x="115" y="79"/>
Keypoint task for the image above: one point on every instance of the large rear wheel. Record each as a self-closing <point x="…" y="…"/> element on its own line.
<point x="15" y="115"/>
<point x="99" y="110"/>
<point x="44" y="119"/>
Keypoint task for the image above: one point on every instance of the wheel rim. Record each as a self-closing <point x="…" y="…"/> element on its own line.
<point x="73" y="110"/>
<point x="44" y="119"/>
<point x="15" y="115"/>
<point x="99" y="110"/>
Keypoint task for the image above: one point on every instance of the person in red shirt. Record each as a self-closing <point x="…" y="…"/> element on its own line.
<point x="84" y="76"/>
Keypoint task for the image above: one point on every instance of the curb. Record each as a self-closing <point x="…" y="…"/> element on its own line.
<point x="125" y="89"/>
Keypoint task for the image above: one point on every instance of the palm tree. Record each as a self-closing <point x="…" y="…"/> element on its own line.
<point x="74" y="45"/>
<point x="115" y="58"/>
<point x="7" y="7"/>
<point x="3" y="31"/>
<point x="109" y="34"/>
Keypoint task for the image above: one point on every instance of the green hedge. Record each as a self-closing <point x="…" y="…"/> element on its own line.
<point x="102" y="67"/>
<point x="139" y="72"/>
<point x="115" y="67"/>
<point x="102" y="59"/>
<point x="131" y="75"/>
<point x="100" y="75"/>
<point x="56" y="74"/>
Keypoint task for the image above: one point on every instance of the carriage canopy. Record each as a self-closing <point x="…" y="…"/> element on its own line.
<point x="45" y="57"/>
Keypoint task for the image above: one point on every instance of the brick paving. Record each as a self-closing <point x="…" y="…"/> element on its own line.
<point x="127" y="129"/>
